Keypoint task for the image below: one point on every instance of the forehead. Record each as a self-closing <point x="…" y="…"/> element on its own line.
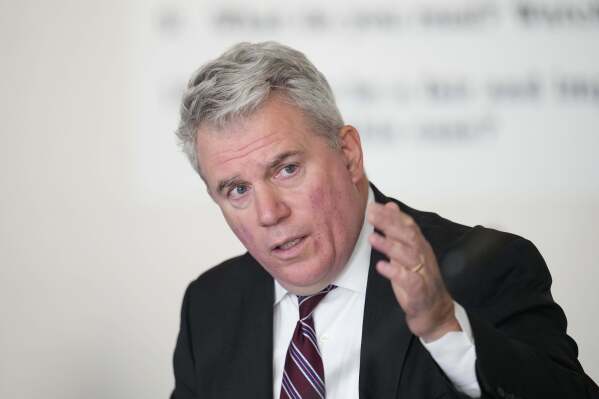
<point x="275" y="128"/>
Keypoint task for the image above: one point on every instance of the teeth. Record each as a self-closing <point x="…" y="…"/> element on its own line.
<point x="290" y="244"/>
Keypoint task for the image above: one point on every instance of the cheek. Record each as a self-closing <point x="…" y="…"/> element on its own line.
<point x="324" y="204"/>
<point x="242" y="232"/>
<point x="323" y="198"/>
<point x="321" y="204"/>
<point x="316" y="199"/>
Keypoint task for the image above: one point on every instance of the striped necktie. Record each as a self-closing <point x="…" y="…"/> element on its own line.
<point x="303" y="375"/>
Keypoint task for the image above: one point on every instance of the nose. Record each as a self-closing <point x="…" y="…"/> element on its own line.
<point x="270" y="206"/>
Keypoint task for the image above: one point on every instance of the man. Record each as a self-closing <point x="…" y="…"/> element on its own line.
<point x="345" y="293"/>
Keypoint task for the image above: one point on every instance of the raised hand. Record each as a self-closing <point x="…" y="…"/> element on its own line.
<point x="413" y="271"/>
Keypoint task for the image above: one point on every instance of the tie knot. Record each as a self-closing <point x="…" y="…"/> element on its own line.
<point x="308" y="303"/>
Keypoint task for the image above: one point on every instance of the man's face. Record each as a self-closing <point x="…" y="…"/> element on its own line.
<point x="294" y="202"/>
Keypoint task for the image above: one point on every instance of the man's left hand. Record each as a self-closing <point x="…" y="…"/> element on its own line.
<point x="413" y="271"/>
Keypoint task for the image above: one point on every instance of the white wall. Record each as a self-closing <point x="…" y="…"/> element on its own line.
<point x="103" y="223"/>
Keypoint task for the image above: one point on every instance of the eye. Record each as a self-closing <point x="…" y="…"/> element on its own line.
<point x="289" y="170"/>
<point x="238" y="191"/>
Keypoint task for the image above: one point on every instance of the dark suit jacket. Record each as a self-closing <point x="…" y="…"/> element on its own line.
<point x="224" y="348"/>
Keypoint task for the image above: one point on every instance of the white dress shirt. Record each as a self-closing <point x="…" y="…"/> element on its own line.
<point x="338" y="323"/>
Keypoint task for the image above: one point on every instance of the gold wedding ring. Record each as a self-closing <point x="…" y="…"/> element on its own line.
<point x="417" y="268"/>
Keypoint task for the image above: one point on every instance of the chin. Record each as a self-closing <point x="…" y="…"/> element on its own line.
<point x="306" y="280"/>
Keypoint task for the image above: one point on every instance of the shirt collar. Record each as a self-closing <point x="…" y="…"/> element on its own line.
<point x="354" y="275"/>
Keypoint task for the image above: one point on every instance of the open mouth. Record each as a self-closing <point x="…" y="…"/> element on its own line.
<point x="289" y="245"/>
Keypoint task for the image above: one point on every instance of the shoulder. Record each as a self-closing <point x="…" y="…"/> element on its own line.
<point x="440" y="232"/>
<point x="228" y="281"/>
<point x="225" y="273"/>
<point x="484" y="259"/>
<point x="460" y="245"/>
<point x="481" y="266"/>
<point x="497" y="274"/>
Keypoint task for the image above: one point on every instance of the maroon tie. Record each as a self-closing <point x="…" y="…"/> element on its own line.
<point x="303" y="375"/>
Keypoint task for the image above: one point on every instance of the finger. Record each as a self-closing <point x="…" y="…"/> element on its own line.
<point x="393" y="223"/>
<point x="396" y="250"/>
<point x="399" y="276"/>
<point x="387" y="269"/>
<point x="392" y="211"/>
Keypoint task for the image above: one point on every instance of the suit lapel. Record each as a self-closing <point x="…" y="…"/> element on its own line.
<point x="385" y="335"/>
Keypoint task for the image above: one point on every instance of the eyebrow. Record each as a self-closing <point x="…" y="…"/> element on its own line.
<point x="226" y="183"/>
<point x="279" y="159"/>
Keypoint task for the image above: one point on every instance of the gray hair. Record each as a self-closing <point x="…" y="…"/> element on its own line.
<point x="235" y="84"/>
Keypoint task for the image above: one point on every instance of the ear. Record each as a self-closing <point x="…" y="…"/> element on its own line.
<point x="349" y="140"/>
